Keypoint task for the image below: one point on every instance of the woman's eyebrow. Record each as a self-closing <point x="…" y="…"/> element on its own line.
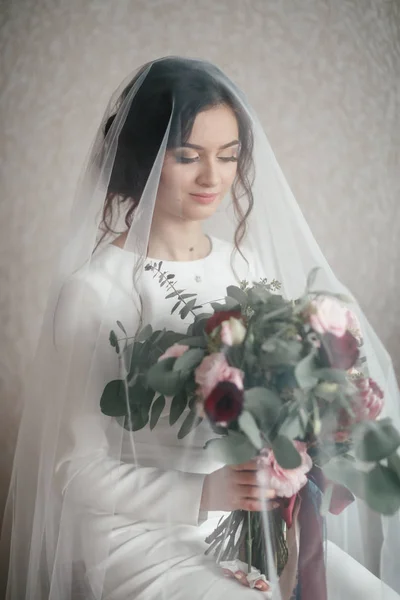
<point x="196" y="147"/>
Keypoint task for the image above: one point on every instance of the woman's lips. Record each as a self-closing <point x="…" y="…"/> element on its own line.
<point x="204" y="198"/>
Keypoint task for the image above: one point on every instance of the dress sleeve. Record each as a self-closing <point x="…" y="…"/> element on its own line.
<point x="89" y="469"/>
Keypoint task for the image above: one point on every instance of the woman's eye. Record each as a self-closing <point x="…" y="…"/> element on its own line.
<point x="228" y="158"/>
<point x="186" y="159"/>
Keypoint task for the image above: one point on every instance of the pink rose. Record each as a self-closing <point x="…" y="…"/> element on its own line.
<point x="367" y="405"/>
<point x="327" y="315"/>
<point x="212" y="370"/>
<point x="369" y="401"/>
<point x="353" y="324"/>
<point x="286" y="482"/>
<point x="174" y="351"/>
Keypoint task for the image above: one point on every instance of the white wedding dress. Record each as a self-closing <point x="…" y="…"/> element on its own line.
<point x="156" y="537"/>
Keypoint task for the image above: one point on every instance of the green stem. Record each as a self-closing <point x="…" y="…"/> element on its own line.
<point x="249" y="542"/>
<point x="171" y="286"/>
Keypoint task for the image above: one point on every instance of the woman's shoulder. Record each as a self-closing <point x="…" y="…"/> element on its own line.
<point x="86" y="291"/>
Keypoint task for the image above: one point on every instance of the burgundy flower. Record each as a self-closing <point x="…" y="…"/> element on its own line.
<point x="224" y="404"/>
<point x="219" y="317"/>
<point x="339" y="352"/>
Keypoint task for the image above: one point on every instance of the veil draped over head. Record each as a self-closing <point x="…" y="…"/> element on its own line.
<point x="98" y="510"/>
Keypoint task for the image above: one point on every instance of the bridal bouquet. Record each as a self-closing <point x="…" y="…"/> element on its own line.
<point x="278" y="380"/>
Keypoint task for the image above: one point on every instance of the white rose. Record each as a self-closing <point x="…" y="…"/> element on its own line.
<point x="233" y="332"/>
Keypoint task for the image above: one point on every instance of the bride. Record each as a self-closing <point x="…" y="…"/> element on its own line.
<point x="181" y="181"/>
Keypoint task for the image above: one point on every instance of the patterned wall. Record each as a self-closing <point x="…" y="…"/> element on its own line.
<point x="323" y="74"/>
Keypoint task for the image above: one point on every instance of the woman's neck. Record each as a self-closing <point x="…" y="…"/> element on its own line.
<point x="182" y="242"/>
<point x="177" y="241"/>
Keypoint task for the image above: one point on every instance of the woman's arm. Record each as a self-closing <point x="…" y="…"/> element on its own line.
<point x="88" y="468"/>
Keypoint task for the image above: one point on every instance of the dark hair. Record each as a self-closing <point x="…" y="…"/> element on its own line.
<point x="185" y="88"/>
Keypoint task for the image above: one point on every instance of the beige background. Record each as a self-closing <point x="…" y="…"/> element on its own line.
<point x="323" y="74"/>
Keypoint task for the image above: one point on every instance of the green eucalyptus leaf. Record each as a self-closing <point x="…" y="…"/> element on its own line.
<point x="178" y="405"/>
<point x="175" y="307"/>
<point x="187" y="308"/>
<point x="338" y="296"/>
<point x="280" y="352"/>
<point x="258" y="294"/>
<point x="168" y="339"/>
<point x="198" y="341"/>
<point x="264" y="404"/>
<point x="311" y="278"/>
<point x="248" y="425"/>
<point x="292" y="427"/>
<point x="141" y="396"/>
<point x="121" y="327"/>
<point x="157" y="336"/>
<point x="198" y="326"/>
<point x="379" y="487"/>
<point x="171" y="295"/>
<point x="394" y="464"/>
<point x="273" y="313"/>
<point x="218" y="307"/>
<point x="343" y="471"/>
<point x="232" y="449"/>
<point x="331" y="375"/>
<point x="136" y="420"/>
<point x="295" y="424"/>
<point x="113" y="338"/>
<point x="305" y="371"/>
<point x="114" y="341"/>
<point x="285" y="452"/>
<point x="237" y="294"/>
<point x="163" y="379"/>
<point x="231" y="303"/>
<point x="156" y="410"/>
<point x="202" y="317"/>
<point x="144" y="333"/>
<point x="189" y="360"/>
<point x="113" y="401"/>
<point x="383" y="490"/>
<point x="191" y="421"/>
<point x="376" y="440"/>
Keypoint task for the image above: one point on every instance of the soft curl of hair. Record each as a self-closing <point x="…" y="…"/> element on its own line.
<point x="184" y="88"/>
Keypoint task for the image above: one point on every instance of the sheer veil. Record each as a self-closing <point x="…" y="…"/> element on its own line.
<point x="71" y="459"/>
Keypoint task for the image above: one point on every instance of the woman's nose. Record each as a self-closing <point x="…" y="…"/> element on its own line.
<point x="209" y="175"/>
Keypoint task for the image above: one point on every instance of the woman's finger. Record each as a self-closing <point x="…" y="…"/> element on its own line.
<point x="240" y="576"/>
<point x="255" y="492"/>
<point x="250" y="465"/>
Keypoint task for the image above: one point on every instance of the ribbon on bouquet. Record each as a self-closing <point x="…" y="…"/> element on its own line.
<point x="311" y="564"/>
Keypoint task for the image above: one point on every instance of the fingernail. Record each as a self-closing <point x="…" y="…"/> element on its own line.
<point x="238" y="576"/>
<point x="259" y="586"/>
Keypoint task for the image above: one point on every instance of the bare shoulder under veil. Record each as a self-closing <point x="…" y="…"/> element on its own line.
<point x="101" y="510"/>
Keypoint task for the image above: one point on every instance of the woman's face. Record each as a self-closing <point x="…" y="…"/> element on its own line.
<point x="196" y="176"/>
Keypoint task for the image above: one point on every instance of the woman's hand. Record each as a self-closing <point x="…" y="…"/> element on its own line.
<point x="236" y="487"/>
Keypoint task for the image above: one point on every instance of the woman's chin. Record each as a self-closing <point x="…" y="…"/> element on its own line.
<point x="197" y="211"/>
